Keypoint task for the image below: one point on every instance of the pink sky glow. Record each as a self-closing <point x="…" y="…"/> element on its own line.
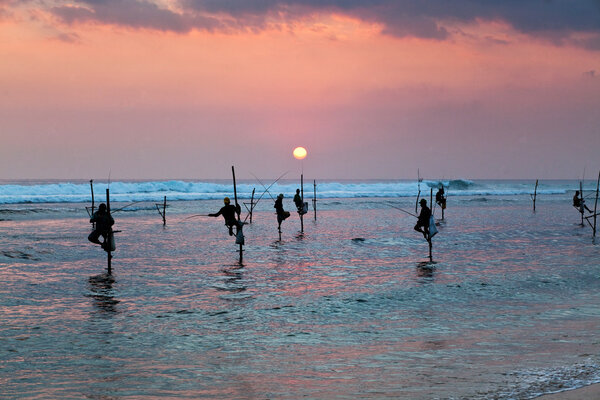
<point x="187" y="88"/>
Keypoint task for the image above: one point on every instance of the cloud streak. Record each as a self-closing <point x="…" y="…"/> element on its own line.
<point x="555" y="20"/>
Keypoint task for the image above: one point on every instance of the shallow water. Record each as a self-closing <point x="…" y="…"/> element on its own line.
<point x="349" y="309"/>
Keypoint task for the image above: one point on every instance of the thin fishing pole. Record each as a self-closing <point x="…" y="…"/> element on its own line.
<point x="404" y="211"/>
<point x="266" y="190"/>
<point x="195" y="215"/>
<point x="264" y="187"/>
<point x="130" y="204"/>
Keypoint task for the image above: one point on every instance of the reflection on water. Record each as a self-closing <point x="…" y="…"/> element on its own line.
<point x="343" y="311"/>
<point x="102" y="293"/>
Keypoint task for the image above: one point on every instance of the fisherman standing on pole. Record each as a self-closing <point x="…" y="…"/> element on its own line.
<point x="103" y="222"/>
<point x="228" y="211"/>
<point x="423" y="219"/>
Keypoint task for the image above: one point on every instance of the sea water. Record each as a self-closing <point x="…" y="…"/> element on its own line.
<point x="350" y="308"/>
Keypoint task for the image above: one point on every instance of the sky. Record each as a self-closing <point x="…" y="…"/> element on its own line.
<point x="184" y="89"/>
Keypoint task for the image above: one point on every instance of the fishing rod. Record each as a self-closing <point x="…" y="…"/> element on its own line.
<point x="130" y="204"/>
<point x="269" y="187"/>
<point x="260" y="197"/>
<point x="264" y="187"/>
<point x="196" y="215"/>
<point x="403" y="210"/>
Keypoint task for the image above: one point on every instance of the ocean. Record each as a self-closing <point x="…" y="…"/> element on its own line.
<point x="350" y="308"/>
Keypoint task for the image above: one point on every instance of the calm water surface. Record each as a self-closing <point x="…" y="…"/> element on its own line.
<point x="349" y="309"/>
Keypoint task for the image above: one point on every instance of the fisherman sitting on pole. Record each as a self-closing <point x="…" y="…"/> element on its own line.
<point x="228" y="212"/>
<point x="299" y="203"/>
<point x="423" y="219"/>
<point x="103" y="221"/>
<point x="440" y="199"/>
<point x="579" y="202"/>
<point x="281" y="213"/>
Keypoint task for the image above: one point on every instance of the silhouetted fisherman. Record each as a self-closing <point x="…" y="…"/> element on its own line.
<point x="423" y="219"/>
<point x="579" y="202"/>
<point x="228" y="211"/>
<point x="104" y="221"/>
<point x="440" y="199"/>
<point x="299" y="203"/>
<point x="282" y="215"/>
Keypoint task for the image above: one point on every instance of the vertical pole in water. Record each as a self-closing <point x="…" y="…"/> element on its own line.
<point x="109" y="236"/>
<point x="535" y="194"/>
<point x="429" y="235"/>
<point x="236" y="209"/>
<point x="581" y="208"/>
<point x="302" y="195"/>
<point x="418" y="194"/>
<point x="92" y="189"/>
<point x="443" y="206"/>
<point x="596" y="203"/>
<point x="164" y="213"/>
<point x="315" y="198"/>
<point x="431" y="198"/>
<point x="252" y="204"/>
<point x="430" y="249"/>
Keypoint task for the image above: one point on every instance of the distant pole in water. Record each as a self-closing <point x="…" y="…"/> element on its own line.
<point x="581" y="208"/>
<point x="314" y="201"/>
<point x="431" y="198"/>
<point x="238" y="227"/>
<point x="251" y="205"/>
<point x="302" y="196"/>
<point x="596" y="203"/>
<point x="418" y="194"/>
<point x="534" y="194"/>
<point x="443" y="205"/>
<point x="430" y="249"/>
<point x="163" y="213"/>
<point x="92" y="212"/>
<point x="109" y="236"/>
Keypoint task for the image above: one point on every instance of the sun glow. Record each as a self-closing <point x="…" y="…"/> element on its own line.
<point x="299" y="153"/>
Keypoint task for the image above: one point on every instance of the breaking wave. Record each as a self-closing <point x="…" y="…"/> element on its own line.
<point x="77" y="192"/>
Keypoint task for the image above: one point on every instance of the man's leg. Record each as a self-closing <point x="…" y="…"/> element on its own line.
<point x="93" y="237"/>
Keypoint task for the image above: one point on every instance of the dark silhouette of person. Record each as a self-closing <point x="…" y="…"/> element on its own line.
<point x="104" y="221"/>
<point x="228" y="211"/>
<point x="281" y="213"/>
<point x="440" y="199"/>
<point x="423" y="219"/>
<point x="299" y="203"/>
<point x="579" y="202"/>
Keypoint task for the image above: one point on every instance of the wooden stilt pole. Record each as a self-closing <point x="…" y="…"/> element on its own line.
<point x="428" y="234"/>
<point x="92" y="189"/>
<point x="418" y="194"/>
<point x="302" y="196"/>
<point x="252" y="204"/>
<point x="443" y="205"/>
<point x="109" y="236"/>
<point x="238" y="228"/>
<point x="581" y="208"/>
<point x="314" y="201"/>
<point x="431" y="198"/>
<point x="535" y="194"/>
<point x="430" y="249"/>
<point x="596" y="203"/>
<point x="164" y="213"/>
<point x="92" y="212"/>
